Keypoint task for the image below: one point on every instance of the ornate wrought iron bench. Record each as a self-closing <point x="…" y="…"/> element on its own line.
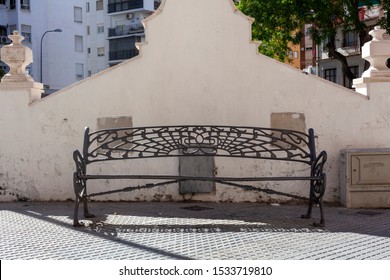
<point x="181" y="141"/>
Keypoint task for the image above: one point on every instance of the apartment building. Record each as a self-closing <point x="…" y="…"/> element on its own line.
<point x="77" y="38"/>
<point x="54" y="29"/>
<point x="348" y="44"/>
<point x="302" y="56"/>
<point x="113" y="29"/>
<point x="3" y="28"/>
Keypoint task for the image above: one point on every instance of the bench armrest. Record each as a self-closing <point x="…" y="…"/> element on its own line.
<point x="317" y="168"/>
<point x="317" y="187"/>
<point x="80" y="163"/>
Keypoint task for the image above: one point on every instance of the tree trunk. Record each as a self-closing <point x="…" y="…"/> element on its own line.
<point x="343" y="60"/>
<point x="364" y="38"/>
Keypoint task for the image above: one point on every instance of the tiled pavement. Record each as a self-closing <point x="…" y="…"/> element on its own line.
<point x="169" y="230"/>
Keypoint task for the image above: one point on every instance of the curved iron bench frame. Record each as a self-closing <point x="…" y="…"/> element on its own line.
<point x="198" y="140"/>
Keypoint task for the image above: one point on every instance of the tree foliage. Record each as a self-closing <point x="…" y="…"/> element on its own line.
<point x="276" y="24"/>
<point x="280" y="23"/>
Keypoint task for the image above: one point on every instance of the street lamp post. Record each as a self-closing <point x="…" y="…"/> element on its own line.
<point x="40" y="62"/>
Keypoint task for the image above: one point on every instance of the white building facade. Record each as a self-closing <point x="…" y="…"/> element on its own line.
<point x="94" y="35"/>
<point x="113" y="29"/>
<point x="33" y="18"/>
<point x="3" y="28"/>
<point x="347" y="44"/>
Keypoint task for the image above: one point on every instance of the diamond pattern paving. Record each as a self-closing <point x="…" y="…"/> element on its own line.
<point x="167" y="231"/>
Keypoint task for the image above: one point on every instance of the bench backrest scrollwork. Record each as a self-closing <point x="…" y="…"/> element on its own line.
<point x="223" y="141"/>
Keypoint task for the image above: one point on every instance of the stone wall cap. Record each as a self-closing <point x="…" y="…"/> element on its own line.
<point x="365" y="80"/>
<point x="20" y="85"/>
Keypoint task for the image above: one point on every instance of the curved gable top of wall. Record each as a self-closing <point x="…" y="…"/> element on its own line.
<point x="198" y="25"/>
<point x="203" y="48"/>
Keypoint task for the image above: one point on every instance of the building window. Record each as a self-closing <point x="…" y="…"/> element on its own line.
<point x="25" y="4"/>
<point x="88" y="30"/>
<point x="78" y="43"/>
<point x="100" y="28"/>
<point x="99" y="5"/>
<point x="12" y="28"/>
<point x="87" y="7"/>
<point x="123" y="48"/>
<point x="293" y="54"/>
<point x="29" y="70"/>
<point x="79" y="71"/>
<point x="26" y="32"/>
<point x="121" y="5"/>
<point x="12" y="4"/>
<point x="2" y="2"/>
<point x="3" y="32"/>
<point x="330" y="75"/>
<point x="355" y="72"/>
<point x="78" y="14"/>
<point x="350" y="39"/>
<point x="100" y="51"/>
<point x="4" y="68"/>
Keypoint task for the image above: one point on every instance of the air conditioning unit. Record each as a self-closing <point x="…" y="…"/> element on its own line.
<point x="130" y="16"/>
<point x="4" y="40"/>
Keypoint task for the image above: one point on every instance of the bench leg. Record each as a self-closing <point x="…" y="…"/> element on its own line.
<point x="322" y="220"/>
<point x="76" y="222"/>
<point x="86" y="211"/>
<point x="309" y="209"/>
<point x="317" y="189"/>
<point x="80" y="188"/>
<point x="320" y="190"/>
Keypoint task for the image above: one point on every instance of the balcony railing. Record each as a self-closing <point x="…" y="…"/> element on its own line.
<point x="121" y="55"/>
<point x="125" y="6"/>
<point x="125" y="30"/>
<point x="25" y="7"/>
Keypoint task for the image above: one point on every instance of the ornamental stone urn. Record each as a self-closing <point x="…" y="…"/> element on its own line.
<point x="17" y="57"/>
<point x="377" y="52"/>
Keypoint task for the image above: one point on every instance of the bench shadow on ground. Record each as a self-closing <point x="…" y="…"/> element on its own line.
<point x="173" y="217"/>
<point x="197" y="218"/>
<point x="116" y="218"/>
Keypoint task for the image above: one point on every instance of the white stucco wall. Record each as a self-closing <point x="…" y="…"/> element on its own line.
<point x="204" y="72"/>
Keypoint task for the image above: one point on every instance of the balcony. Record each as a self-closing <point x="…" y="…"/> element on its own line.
<point x="123" y="54"/>
<point x="115" y="6"/>
<point x="125" y="30"/>
<point x="25" y="7"/>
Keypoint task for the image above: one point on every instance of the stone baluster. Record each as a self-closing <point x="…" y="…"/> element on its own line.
<point x="18" y="57"/>
<point x="377" y="52"/>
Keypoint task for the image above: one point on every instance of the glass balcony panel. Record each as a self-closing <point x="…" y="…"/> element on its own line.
<point x="124" y="30"/>
<point x="123" y="54"/>
<point x="115" y="7"/>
